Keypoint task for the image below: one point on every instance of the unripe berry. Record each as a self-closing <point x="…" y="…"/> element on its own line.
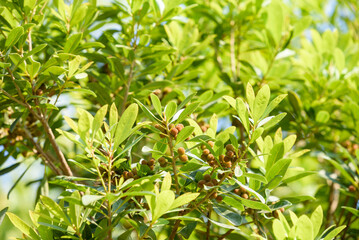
<point x="204" y="129"/>
<point x="201" y="183"/>
<point x="237" y="191"/>
<point x="181" y="151"/>
<point x="151" y="162"/>
<point x="203" y="147"/>
<point x="275" y="214"/>
<point x="210" y="157"/>
<point x="158" y="126"/>
<point x="211" y="143"/>
<point x="204" y="157"/>
<point x="179" y="127"/>
<point x="214" y="195"/>
<point x="209" y="184"/>
<point x="219" y="198"/>
<point x="243" y="190"/>
<point x="163" y="164"/>
<point x="282" y="210"/>
<point x="174" y="132"/>
<point x="221" y="158"/>
<point x="227" y="159"/>
<point x="227" y="164"/>
<point x="130" y="175"/>
<point x="162" y="160"/>
<point x="144" y="162"/>
<point x="214" y="181"/>
<point x="207" y="177"/>
<point x="244" y="195"/>
<point x="351" y="188"/>
<point x="229" y="147"/>
<point x="183" y="158"/>
<point x="250" y="211"/>
<point x="125" y="174"/>
<point x="230" y="154"/>
<point x="206" y="152"/>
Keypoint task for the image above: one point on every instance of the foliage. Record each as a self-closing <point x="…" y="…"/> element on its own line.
<point x="193" y="117"/>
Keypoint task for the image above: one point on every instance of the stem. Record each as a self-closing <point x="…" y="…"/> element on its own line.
<point x="232" y="51"/>
<point x="47" y="159"/>
<point x="146" y="232"/>
<point x="226" y="234"/>
<point x="173" y="163"/>
<point x="208" y="231"/>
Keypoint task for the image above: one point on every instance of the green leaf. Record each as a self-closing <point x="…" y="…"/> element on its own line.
<point x="274" y="22"/>
<point x="22" y="226"/>
<point x="273" y="121"/>
<point x="352" y="210"/>
<point x="278" y="169"/>
<point x="54" y="208"/>
<point x="297" y="176"/>
<point x="187" y="111"/>
<point x="222" y="225"/>
<point x="89" y="199"/>
<point x="113" y="115"/>
<point x="164" y="201"/>
<point x="231" y="101"/>
<point x="260" y="103"/>
<point x="242" y="113"/>
<point x="273" y="104"/>
<point x="156" y="103"/>
<point x="72" y="42"/>
<point x="304" y="228"/>
<point x="250" y="96"/>
<point x="317" y="219"/>
<point x="256" y="134"/>
<point x="170" y="110"/>
<point x="14" y="37"/>
<point x="275" y="153"/>
<point x="255" y="204"/>
<point x="5" y="65"/>
<point x="148" y="113"/>
<point x="167" y="182"/>
<point x="339" y="59"/>
<point x="124" y="126"/>
<point x="342" y="170"/>
<point x="98" y="119"/>
<point x="256" y="177"/>
<point x="184" y="199"/>
<point x="233" y="217"/>
<point x="233" y="203"/>
<point x="184" y="134"/>
<point x="2" y="214"/>
<point x="279" y="230"/>
<point x="334" y="233"/>
<point x="9" y="169"/>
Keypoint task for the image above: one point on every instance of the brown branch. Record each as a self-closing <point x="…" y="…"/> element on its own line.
<point x="208" y="230"/>
<point x="48" y="160"/>
<point x="226" y="234"/>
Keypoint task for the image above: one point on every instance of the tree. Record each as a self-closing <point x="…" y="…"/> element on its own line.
<point x="188" y="114"/>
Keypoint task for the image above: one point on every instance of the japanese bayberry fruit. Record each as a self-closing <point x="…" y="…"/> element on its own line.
<point x="227" y="164"/>
<point x="230" y="154"/>
<point x="214" y="181"/>
<point x="179" y="127"/>
<point x="174" y="132"/>
<point x="162" y="160"/>
<point x="181" y="151"/>
<point x="210" y="157"/>
<point x="159" y="127"/>
<point x="237" y="191"/>
<point x="209" y="184"/>
<point x="229" y="147"/>
<point x="207" y="177"/>
<point x="351" y="188"/>
<point x="214" y="195"/>
<point x="275" y="214"/>
<point x="206" y="152"/>
<point x="130" y="175"/>
<point x="227" y="159"/>
<point x="221" y="158"/>
<point x="250" y="211"/>
<point x="151" y="162"/>
<point x="171" y="126"/>
<point x="219" y="198"/>
<point x="125" y="174"/>
<point x="204" y="128"/>
<point x="144" y="162"/>
<point x="183" y="158"/>
<point x="211" y="143"/>
<point x="243" y="190"/>
<point x="201" y="183"/>
<point x="203" y="147"/>
<point x="220" y="175"/>
<point x="244" y="195"/>
<point x="282" y="210"/>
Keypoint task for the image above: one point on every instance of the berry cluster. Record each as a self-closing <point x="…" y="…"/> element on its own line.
<point x="181" y="153"/>
<point x="275" y="213"/>
<point x="162" y="161"/>
<point x="230" y="157"/>
<point x="241" y="192"/>
<point x="350" y="146"/>
<point x="127" y="175"/>
<point x="208" y="156"/>
<point x="210" y="182"/>
<point x="173" y="129"/>
<point x="150" y="163"/>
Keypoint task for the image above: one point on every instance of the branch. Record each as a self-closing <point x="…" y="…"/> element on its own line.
<point x="48" y="160"/>
<point x="173" y="162"/>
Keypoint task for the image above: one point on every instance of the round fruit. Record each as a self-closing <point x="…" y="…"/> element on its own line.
<point x="275" y="214"/>
<point x="230" y="154"/>
<point x="219" y="198"/>
<point x="181" y="151"/>
<point x="237" y="191"/>
<point x="201" y="183"/>
<point x="214" y="181"/>
<point x="174" y="132"/>
<point x="221" y="158"/>
<point x="214" y="195"/>
<point x="206" y="152"/>
<point x="282" y="210"/>
<point x="351" y="188"/>
<point x="211" y="143"/>
<point x="179" y="127"/>
<point x="229" y="147"/>
<point x="209" y="184"/>
<point x="162" y="160"/>
<point x="227" y="164"/>
<point x="203" y="147"/>
<point x="210" y="157"/>
<point x="144" y="162"/>
<point x="130" y="175"/>
<point x="183" y="158"/>
<point x="204" y="129"/>
<point x="244" y="195"/>
<point x="207" y="177"/>
<point x="227" y="159"/>
<point x="151" y="162"/>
